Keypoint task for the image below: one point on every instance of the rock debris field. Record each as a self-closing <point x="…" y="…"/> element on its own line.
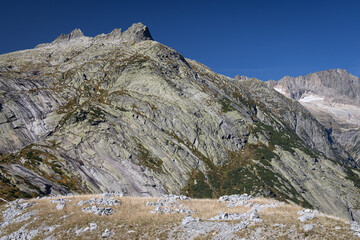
<point x="113" y="216"/>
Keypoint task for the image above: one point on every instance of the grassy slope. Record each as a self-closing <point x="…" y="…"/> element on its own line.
<point x="133" y="220"/>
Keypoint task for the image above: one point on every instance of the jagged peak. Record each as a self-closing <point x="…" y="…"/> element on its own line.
<point x="137" y="32"/>
<point x="242" y="77"/>
<point x="115" y="33"/>
<point x="76" y="33"/>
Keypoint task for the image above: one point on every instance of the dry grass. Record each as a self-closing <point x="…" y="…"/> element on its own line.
<point x="133" y="220"/>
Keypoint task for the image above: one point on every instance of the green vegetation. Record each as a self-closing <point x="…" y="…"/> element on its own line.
<point x="31" y="157"/>
<point x="241" y="174"/>
<point x="10" y="191"/>
<point x="353" y="175"/>
<point x="197" y="186"/>
<point x="226" y="105"/>
<point x="147" y="160"/>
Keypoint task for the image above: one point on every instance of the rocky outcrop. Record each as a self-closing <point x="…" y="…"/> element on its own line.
<point x="122" y="112"/>
<point x="76" y="33"/>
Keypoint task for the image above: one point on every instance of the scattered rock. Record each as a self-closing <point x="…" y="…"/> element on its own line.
<point x="170" y="204"/>
<point x="93" y="226"/>
<point x="307" y="214"/>
<point x="81" y="231"/>
<point x="355" y="226"/>
<point x="61" y="206"/>
<point x="308" y="227"/>
<point x="113" y="194"/>
<point x="98" y="210"/>
<point x="12" y="213"/>
<point x="106" y="233"/>
<point x="235" y="200"/>
<point x="250" y="215"/>
<point x="172" y="210"/>
<point x="175" y="197"/>
<point x="279" y="225"/>
<point x="100" y="201"/>
<point x="60" y="200"/>
<point x="192" y="228"/>
<point x="22" y="233"/>
<point x="189" y="219"/>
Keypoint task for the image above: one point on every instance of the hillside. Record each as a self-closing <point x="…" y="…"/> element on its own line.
<point x="122" y="112"/>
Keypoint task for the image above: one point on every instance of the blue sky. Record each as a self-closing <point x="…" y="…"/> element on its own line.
<point x="259" y="38"/>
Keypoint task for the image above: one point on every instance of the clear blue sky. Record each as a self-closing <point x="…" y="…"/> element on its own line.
<point x="266" y="39"/>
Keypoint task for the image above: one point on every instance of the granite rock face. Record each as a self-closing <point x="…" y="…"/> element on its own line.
<point x="121" y="112"/>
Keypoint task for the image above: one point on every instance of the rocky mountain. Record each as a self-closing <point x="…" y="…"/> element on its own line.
<point x="122" y="112"/>
<point x="333" y="97"/>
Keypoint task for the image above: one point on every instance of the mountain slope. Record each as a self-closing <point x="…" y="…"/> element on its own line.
<point x="122" y="112"/>
<point x="333" y="97"/>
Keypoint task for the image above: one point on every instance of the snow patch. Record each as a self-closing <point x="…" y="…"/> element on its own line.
<point x="311" y="98"/>
<point x="279" y="90"/>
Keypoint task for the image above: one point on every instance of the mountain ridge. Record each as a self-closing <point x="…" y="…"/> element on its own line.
<point x="122" y="112"/>
<point x="332" y="96"/>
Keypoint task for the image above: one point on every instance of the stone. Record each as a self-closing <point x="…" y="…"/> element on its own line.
<point x="250" y="215"/>
<point x="14" y="210"/>
<point x="355" y="226"/>
<point x="60" y="206"/>
<point x="308" y="227"/>
<point x="106" y="233"/>
<point x="170" y="204"/>
<point x="113" y="194"/>
<point x="189" y="219"/>
<point x="100" y="201"/>
<point x="98" y="210"/>
<point x="93" y="226"/>
<point x="307" y="214"/>
<point x="235" y="200"/>
<point x="22" y="233"/>
<point x="60" y="200"/>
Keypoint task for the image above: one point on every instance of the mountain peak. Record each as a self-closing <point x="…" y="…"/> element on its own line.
<point x="137" y="32"/>
<point x="242" y="77"/>
<point x="76" y="33"/>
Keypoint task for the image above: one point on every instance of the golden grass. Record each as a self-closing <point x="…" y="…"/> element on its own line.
<point x="133" y="220"/>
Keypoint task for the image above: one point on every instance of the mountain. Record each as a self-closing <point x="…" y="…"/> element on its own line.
<point x="122" y="112"/>
<point x="333" y="97"/>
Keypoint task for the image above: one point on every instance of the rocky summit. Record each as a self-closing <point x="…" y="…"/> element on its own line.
<point x="121" y="112"/>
